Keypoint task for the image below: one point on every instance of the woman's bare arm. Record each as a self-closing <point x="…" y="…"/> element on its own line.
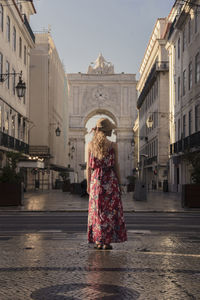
<point x="88" y="169"/>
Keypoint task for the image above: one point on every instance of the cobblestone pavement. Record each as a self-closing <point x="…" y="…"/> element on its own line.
<point x="56" y="200"/>
<point x="56" y="265"/>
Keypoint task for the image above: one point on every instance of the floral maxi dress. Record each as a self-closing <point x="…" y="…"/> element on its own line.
<point x="105" y="215"/>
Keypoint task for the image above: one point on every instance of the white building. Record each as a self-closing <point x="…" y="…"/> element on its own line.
<point x="16" y="41"/>
<point x="184" y="83"/>
<point x="48" y="112"/>
<point x="153" y="106"/>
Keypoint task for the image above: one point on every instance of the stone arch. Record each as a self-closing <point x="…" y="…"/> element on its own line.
<point x="99" y="112"/>
<point x="101" y="91"/>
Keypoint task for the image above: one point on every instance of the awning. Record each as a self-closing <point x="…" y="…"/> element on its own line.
<point x="31" y="164"/>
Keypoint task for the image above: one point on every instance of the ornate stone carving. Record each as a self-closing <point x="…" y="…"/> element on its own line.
<point x="101" y="66"/>
<point x="100" y="94"/>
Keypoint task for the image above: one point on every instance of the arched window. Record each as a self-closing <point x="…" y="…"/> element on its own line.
<point x="8" y="29"/>
<point x="14" y="38"/>
<point x="1" y="17"/>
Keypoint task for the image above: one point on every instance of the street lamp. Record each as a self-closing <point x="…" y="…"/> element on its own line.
<point x="58" y="131"/>
<point x="150" y="120"/>
<point x="20" y="87"/>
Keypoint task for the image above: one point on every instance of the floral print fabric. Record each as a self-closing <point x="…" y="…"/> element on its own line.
<point x="105" y="215"/>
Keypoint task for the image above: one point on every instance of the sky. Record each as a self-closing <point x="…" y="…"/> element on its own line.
<point x="81" y="29"/>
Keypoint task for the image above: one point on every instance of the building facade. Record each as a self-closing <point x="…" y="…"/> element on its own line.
<point x="184" y="85"/>
<point x="153" y="108"/>
<point x="101" y="91"/>
<point x="16" y="42"/>
<point x="48" y="112"/>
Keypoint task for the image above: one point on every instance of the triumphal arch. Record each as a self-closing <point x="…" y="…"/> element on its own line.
<point x="101" y="91"/>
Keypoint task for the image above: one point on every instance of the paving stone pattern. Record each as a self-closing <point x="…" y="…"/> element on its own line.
<point x="62" y="266"/>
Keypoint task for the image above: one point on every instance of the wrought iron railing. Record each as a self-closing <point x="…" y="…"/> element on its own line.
<point x="12" y="143"/>
<point x="186" y="144"/>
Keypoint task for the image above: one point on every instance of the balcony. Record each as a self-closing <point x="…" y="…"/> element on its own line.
<point x="12" y="143"/>
<point x="159" y="66"/>
<point x="186" y="144"/>
<point x="28" y="27"/>
<point x="150" y="160"/>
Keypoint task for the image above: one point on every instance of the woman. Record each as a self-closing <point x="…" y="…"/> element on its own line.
<point x="105" y="216"/>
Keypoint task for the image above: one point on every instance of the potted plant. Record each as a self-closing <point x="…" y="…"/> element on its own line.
<point x="66" y="181"/>
<point x="191" y="192"/>
<point x="11" y="182"/>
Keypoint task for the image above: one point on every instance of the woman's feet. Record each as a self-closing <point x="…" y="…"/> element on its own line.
<point x="107" y="247"/>
<point x="99" y="246"/>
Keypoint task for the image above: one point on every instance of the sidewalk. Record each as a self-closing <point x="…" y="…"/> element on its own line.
<point x="56" y="200"/>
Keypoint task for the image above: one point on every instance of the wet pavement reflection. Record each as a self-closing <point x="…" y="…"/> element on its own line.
<point x="59" y="266"/>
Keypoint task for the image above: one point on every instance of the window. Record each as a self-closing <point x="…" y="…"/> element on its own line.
<point x="14" y="38"/>
<point x="19" y="128"/>
<point x="13" y="126"/>
<point x="184" y="39"/>
<point x="20" y="47"/>
<point x="197" y="68"/>
<point x="190" y="122"/>
<point x="196" y="21"/>
<point x="197" y="118"/>
<point x="1" y="64"/>
<point x="13" y="82"/>
<point x="8" y="29"/>
<point x="1" y="17"/>
<point x="184" y="125"/>
<point x="190" y="76"/>
<point x="25" y="55"/>
<point x="179" y="129"/>
<point x="184" y="81"/>
<point x="179" y="88"/>
<point x="189" y="30"/>
<point x="6" y="122"/>
<point x="7" y="71"/>
<point x="179" y="48"/>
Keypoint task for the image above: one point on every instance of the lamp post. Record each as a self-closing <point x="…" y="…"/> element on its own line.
<point x="20" y="87"/>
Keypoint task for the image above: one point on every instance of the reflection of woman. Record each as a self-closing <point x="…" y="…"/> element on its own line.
<point x="105" y="216"/>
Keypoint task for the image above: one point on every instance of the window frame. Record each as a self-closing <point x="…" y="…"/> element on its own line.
<point x="190" y="76"/>
<point x="179" y="48"/>
<point x="14" y="41"/>
<point x="190" y="122"/>
<point x="1" y="17"/>
<point x="8" y="29"/>
<point x="184" y="82"/>
<point x="7" y="71"/>
<point x="197" y="68"/>
<point x="184" y="126"/>
<point x="20" y="47"/>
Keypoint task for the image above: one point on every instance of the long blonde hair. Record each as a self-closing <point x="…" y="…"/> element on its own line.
<point x="99" y="144"/>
